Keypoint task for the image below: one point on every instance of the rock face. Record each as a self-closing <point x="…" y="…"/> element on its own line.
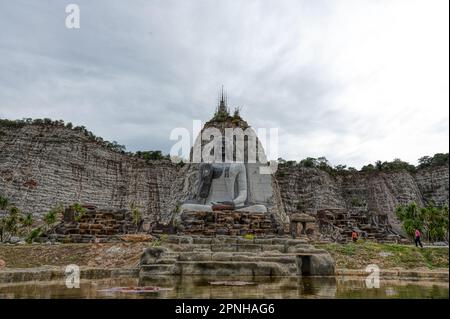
<point x="372" y="193"/>
<point x="45" y="165"/>
<point x="433" y="184"/>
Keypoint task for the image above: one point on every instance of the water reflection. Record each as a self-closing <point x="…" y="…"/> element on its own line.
<point x="221" y="287"/>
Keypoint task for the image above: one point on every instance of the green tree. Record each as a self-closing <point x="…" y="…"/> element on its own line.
<point x="340" y="168"/>
<point x="79" y="211"/>
<point x="431" y="220"/>
<point x="379" y="165"/>
<point x="368" y="168"/>
<point x="425" y="161"/>
<point x="308" y="162"/>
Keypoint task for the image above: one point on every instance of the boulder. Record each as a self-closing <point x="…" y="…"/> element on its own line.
<point x="321" y="265"/>
<point x="152" y="254"/>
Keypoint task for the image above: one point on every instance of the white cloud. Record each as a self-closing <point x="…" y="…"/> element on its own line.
<point x="355" y="81"/>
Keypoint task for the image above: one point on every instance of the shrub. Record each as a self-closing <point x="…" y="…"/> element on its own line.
<point x="14" y="211"/>
<point x="50" y="218"/>
<point x="300" y="206"/>
<point x="136" y="214"/>
<point x="249" y="236"/>
<point x="14" y="223"/>
<point x="79" y="211"/>
<point x="27" y="220"/>
<point x="35" y="233"/>
<point x="356" y="202"/>
<point x="308" y="162"/>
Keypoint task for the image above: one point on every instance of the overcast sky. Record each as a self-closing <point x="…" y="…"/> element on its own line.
<point x="354" y="81"/>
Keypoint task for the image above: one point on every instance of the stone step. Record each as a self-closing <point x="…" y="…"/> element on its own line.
<point x="168" y="261"/>
<point x="243" y="246"/>
<point x="239" y="268"/>
<point x="227" y="256"/>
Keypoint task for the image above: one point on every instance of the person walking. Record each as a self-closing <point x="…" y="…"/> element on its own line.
<point x="417" y="236"/>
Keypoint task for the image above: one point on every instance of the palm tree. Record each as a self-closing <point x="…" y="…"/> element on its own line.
<point x="50" y="218"/>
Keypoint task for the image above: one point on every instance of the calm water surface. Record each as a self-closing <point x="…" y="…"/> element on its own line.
<point x="216" y="287"/>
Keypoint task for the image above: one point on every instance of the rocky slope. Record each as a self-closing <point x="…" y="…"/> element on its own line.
<point x="44" y="165"/>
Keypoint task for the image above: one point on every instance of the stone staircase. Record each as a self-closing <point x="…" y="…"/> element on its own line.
<point x="234" y="256"/>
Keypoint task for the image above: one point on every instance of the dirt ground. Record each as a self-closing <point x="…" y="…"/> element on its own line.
<point x="125" y="255"/>
<point x="386" y="256"/>
<point x="108" y="255"/>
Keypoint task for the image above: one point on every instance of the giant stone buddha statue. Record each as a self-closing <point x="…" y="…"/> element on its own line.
<point x="222" y="183"/>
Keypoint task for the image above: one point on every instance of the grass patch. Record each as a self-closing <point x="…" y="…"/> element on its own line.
<point x="359" y="255"/>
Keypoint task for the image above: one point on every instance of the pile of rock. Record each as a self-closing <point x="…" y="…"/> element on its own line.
<point x="227" y="222"/>
<point x="94" y="225"/>
<point x="338" y="224"/>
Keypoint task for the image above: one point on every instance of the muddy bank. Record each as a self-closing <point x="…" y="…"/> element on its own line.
<point x="108" y="255"/>
<point x="49" y="273"/>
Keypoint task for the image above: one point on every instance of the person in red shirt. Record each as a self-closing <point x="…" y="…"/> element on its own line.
<point x="417" y="235"/>
<point x="354" y="236"/>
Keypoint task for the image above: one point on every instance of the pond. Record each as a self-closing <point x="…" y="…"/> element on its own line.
<point x="217" y="287"/>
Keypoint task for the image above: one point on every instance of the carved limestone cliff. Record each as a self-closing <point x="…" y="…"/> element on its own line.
<point x="44" y="165"/>
<point x="377" y="192"/>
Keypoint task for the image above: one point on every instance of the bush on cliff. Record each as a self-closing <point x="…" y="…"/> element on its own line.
<point x="150" y="155"/>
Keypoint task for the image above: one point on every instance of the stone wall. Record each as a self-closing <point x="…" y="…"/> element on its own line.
<point x="93" y="225"/>
<point x="232" y="223"/>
